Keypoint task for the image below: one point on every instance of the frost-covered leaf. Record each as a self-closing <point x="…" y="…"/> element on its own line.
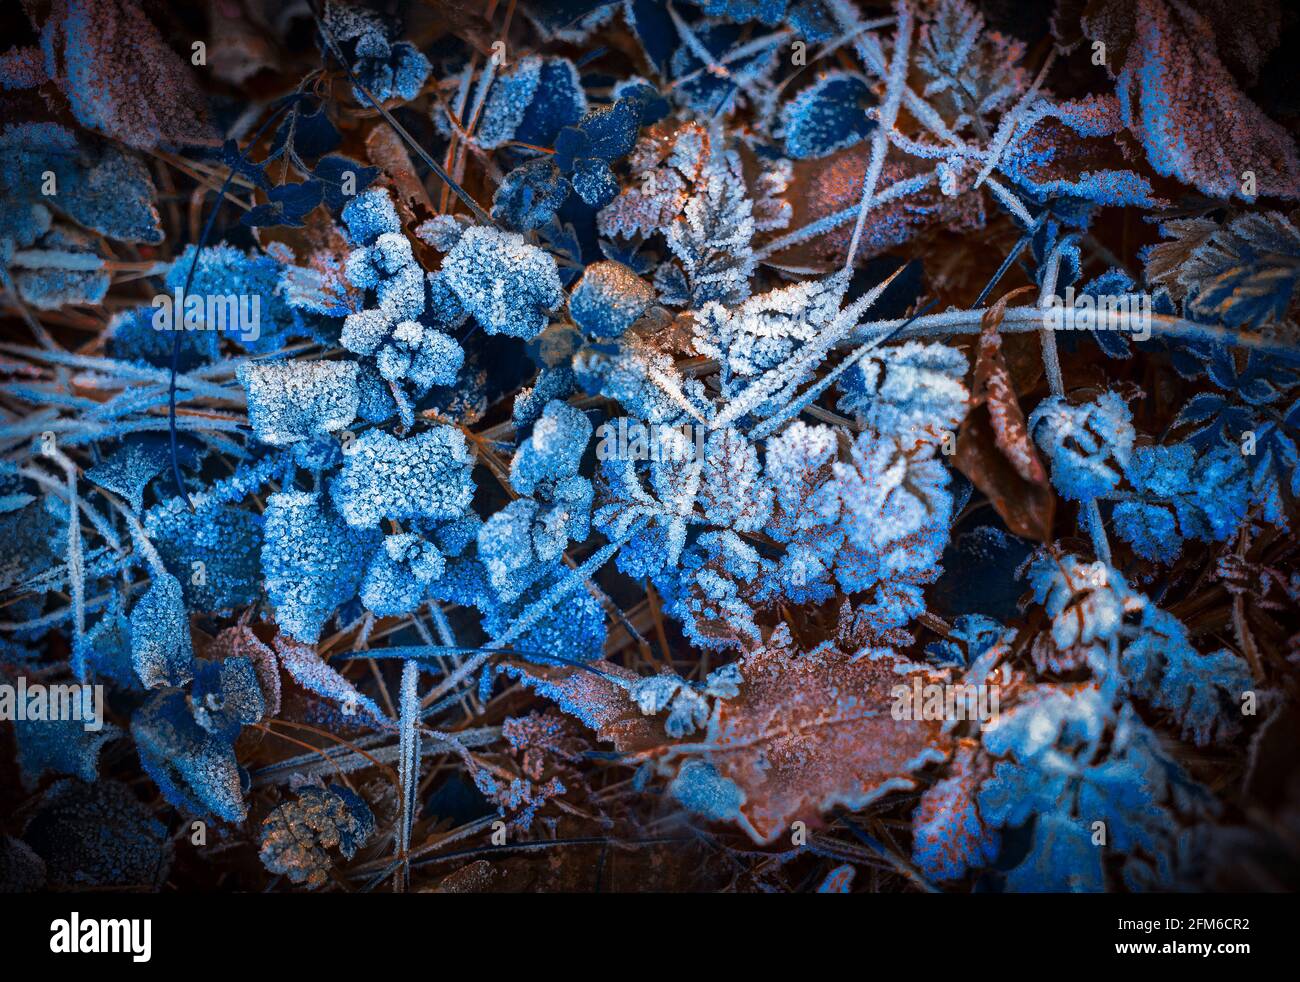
<point x="531" y="102"/>
<point x="214" y="552"/>
<point x="976" y="72"/>
<point x="297" y="399"/>
<point x="314" y="674"/>
<point x="1244" y="273"/>
<point x="1179" y="98"/>
<point x="296" y="834"/>
<point x="828" y="115"/>
<point x="311" y="560"/>
<point x="1178" y="495"/>
<point x="948" y="835"/>
<point x="608" y="299"/>
<point x="896" y="509"/>
<point x="161" y="648"/>
<point x="1203" y="692"/>
<point x="424" y="476"/>
<point x="733" y="493"/>
<point x="121" y="77"/>
<point x="913" y="392"/>
<point x="1089" y="445"/>
<point x="505" y="283"/>
<point x="809" y="731"/>
<point x="64" y="744"/>
<point x="195" y="770"/>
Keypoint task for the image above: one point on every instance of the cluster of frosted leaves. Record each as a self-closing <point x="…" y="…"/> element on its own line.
<point x="1098" y="621"/>
<point x="1054" y="772"/>
<point x="386" y="68"/>
<point x="403" y="338"/>
<point x="186" y="738"/>
<point x="646" y="299"/>
<point x="1165" y="493"/>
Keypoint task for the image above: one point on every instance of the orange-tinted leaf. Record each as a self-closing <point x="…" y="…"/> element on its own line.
<point x="994" y="449"/>
<point x="811" y="731"/>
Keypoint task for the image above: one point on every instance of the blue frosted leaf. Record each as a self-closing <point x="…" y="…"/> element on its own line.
<point x="715" y="597"/>
<point x="63" y="745"/>
<point x="195" y="770"/>
<point x="595" y="182"/>
<point x="1089" y="445"/>
<point x="827" y="116"/>
<point x="506" y="547"/>
<point x="224" y="271"/>
<point x="132" y="338"/>
<point x="1203" y="692"/>
<point x="161" y="648"/>
<point x="608" y="299"/>
<point x="225" y="696"/>
<point x="531" y="103"/>
<point x="311" y="671"/>
<point x="214" y="552"/>
<point x="398" y="578"/>
<point x="424" y="476"/>
<point x="299" y="399"/>
<point x="554" y="449"/>
<point x="701" y="789"/>
<point x="104" y="651"/>
<point x="113" y="194"/>
<point x="529" y="196"/>
<point x="552" y="383"/>
<point x="606" y="133"/>
<point x="575" y="629"/>
<point x="311" y="560"/>
<point x="914" y="390"/>
<point x="66" y="268"/>
<point x="130" y="468"/>
<point x="370" y="215"/>
<point x="506" y="284"/>
<point x="733" y="493"/>
<point x="1182" y="494"/>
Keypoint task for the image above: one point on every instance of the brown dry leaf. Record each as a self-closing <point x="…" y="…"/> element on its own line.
<point x="385" y="149"/>
<point x="993" y="387"/>
<point x="1165" y="260"/>
<point x="811" y="731"/>
<point x="994" y="448"/>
